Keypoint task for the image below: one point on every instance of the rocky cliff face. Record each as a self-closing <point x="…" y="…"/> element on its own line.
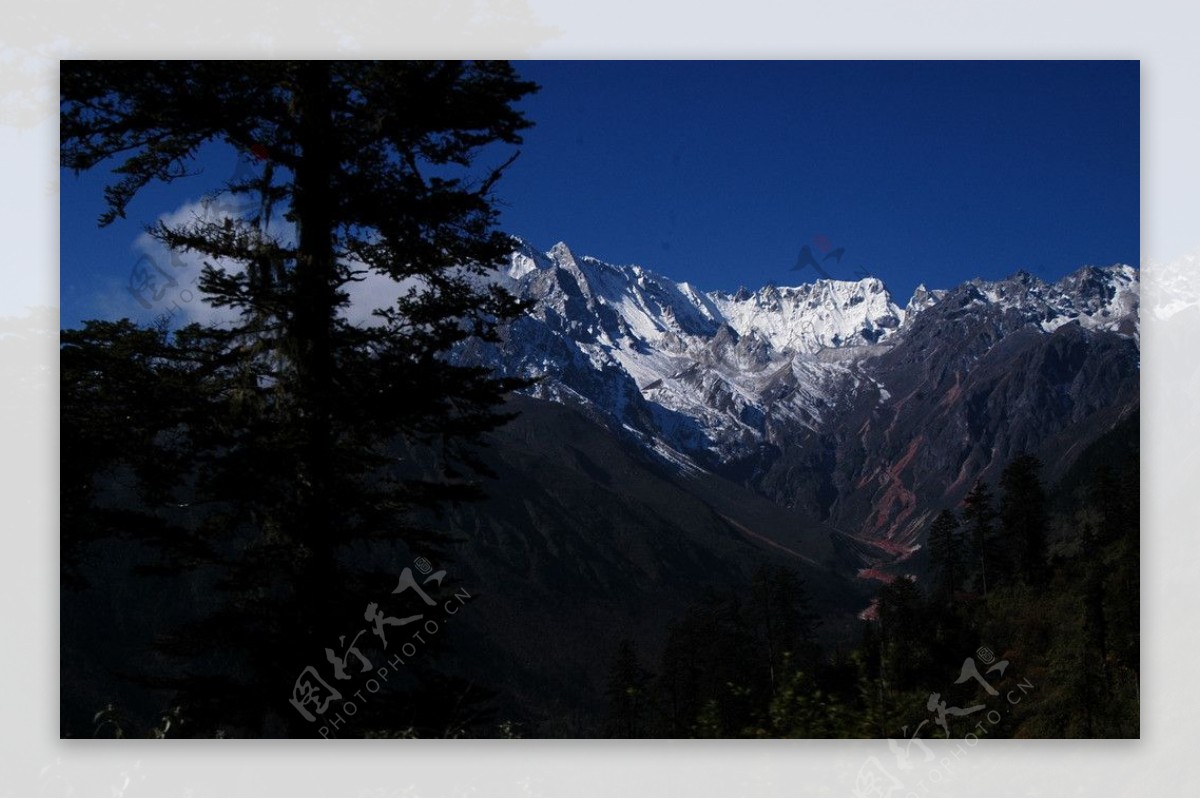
<point x="829" y="398"/>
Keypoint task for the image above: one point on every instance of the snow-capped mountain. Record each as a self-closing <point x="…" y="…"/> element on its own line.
<point x="800" y="391"/>
<point x="694" y="372"/>
<point x="815" y="316"/>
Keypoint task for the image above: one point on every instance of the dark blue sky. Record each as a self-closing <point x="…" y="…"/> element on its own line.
<point x="719" y="172"/>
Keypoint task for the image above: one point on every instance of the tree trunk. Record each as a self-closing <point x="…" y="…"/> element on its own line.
<point x="312" y="324"/>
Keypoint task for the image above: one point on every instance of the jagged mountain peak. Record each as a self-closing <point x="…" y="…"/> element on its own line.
<point x="1094" y="297"/>
<point x="825" y="314"/>
<point x="1089" y="289"/>
<point x="561" y="251"/>
<point x="719" y="381"/>
<point x="638" y="307"/>
<point x="1102" y="283"/>
<point x="680" y="349"/>
<point x="922" y="299"/>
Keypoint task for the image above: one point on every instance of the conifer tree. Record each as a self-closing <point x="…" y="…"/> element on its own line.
<point x="978" y="516"/>
<point x="294" y="435"/>
<point x="627" y="688"/>
<point x="1023" y="517"/>
<point x="945" y="555"/>
<point x="783" y="621"/>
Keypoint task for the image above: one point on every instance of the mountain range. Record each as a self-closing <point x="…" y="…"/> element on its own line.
<point x="830" y="399"/>
<point x="679" y="440"/>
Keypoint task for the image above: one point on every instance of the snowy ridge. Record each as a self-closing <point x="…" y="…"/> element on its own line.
<point x="808" y="318"/>
<point x="714" y="376"/>
<point x="1093" y="297"/>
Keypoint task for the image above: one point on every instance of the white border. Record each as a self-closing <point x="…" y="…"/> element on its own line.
<point x="1161" y="34"/>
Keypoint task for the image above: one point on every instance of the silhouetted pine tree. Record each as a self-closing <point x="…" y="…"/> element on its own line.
<point x="281" y="433"/>
<point x="945" y="555"/>
<point x="627" y="693"/>
<point x="978" y="516"/>
<point x="906" y="631"/>
<point x="782" y="621"/>
<point x="707" y="683"/>
<point x="1023" y="517"/>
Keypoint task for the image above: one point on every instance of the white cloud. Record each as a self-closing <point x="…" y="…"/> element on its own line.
<point x="373" y="291"/>
<point x="164" y="283"/>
